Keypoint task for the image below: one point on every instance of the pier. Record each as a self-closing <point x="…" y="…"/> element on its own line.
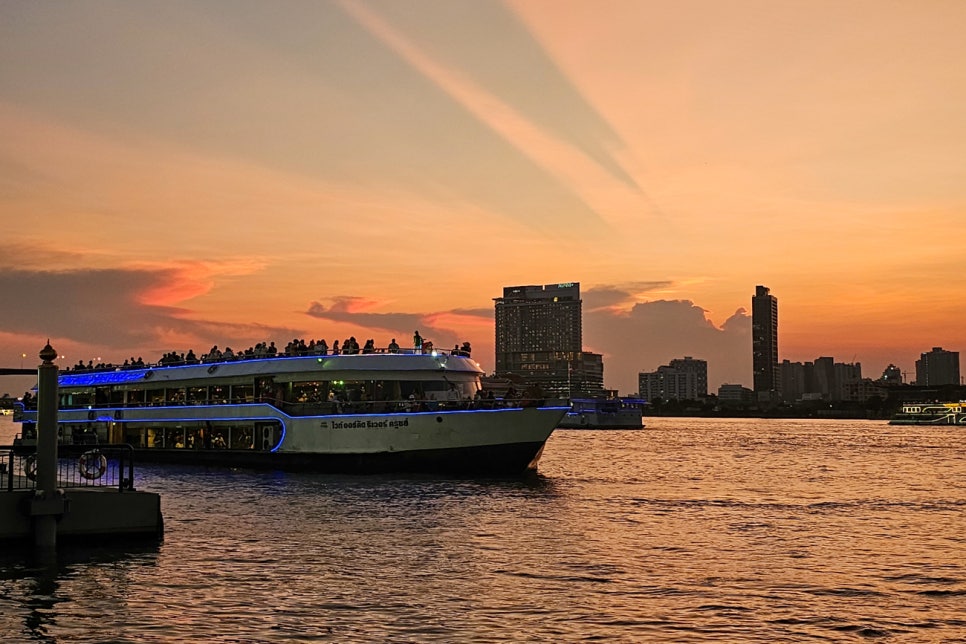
<point x="51" y="491"/>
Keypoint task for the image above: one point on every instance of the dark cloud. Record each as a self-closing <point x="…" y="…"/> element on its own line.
<point x="340" y="312"/>
<point x="91" y="306"/>
<point x="483" y="314"/>
<point x="439" y="327"/>
<point x="615" y="294"/>
<point x="104" y="308"/>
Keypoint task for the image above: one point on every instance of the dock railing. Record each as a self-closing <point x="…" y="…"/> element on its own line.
<point x="86" y="466"/>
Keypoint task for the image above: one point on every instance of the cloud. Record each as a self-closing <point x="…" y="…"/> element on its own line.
<point x="457" y="37"/>
<point x="116" y="309"/>
<point x="613" y="295"/>
<point x="653" y="333"/>
<point x="443" y="328"/>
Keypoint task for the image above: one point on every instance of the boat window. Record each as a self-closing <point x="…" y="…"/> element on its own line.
<point x="135" y="397"/>
<point x="102" y="396"/>
<point x="197" y="395"/>
<point x="243" y="393"/>
<point x="195" y="438"/>
<point x="156" y="396"/>
<point x="175" y="437"/>
<point x="308" y="392"/>
<point x="77" y="399"/>
<point x="135" y="437"/>
<point x="241" y="438"/>
<point x="265" y="389"/>
<point x="155" y="437"/>
<point x="219" y="394"/>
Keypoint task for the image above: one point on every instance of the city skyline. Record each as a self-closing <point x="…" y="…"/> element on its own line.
<point x="179" y="175"/>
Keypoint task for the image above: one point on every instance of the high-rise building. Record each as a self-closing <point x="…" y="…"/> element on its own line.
<point x="794" y="384"/>
<point x="937" y="367"/>
<point x="539" y="338"/>
<point x="823" y="379"/>
<point x="681" y="379"/>
<point x="764" y="339"/>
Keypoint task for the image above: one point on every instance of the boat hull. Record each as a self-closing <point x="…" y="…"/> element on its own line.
<point x="477" y="442"/>
<point x="480" y="460"/>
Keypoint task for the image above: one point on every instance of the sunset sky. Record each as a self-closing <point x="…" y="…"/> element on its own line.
<point x="180" y="174"/>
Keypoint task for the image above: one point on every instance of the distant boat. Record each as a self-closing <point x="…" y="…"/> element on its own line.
<point x="604" y="413"/>
<point x="931" y="413"/>
<point x="378" y="412"/>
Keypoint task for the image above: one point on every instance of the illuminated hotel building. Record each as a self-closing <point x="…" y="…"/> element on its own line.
<point x="539" y="339"/>
<point x="764" y="341"/>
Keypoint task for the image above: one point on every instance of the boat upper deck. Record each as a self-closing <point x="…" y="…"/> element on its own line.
<point x="384" y="366"/>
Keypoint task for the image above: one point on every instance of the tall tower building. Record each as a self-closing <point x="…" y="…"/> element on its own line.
<point x="764" y="340"/>
<point x="539" y="338"/>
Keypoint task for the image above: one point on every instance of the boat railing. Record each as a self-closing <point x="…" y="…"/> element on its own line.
<point x="78" y="466"/>
<point x="101" y="366"/>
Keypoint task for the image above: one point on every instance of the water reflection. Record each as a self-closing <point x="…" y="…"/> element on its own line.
<point x="37" y="589"/>
<point x="691" y="530"/>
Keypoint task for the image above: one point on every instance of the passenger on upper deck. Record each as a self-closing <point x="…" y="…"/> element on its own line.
<point x="213" y="355"/>
<point x="417" y="342"/>
<point x="335" y="348"/>
<point x="393" y="347"/>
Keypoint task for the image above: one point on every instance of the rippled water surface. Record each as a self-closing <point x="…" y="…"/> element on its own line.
<point x="689" y="530"/>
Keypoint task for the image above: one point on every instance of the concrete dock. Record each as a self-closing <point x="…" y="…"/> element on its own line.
<point x="88" y="514"/>
<point x="51" y="492"/>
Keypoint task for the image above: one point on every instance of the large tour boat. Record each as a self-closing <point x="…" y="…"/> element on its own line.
<point x="375" y="412"/>
<point x="931" y="413"/>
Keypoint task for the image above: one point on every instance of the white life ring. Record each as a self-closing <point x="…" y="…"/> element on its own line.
<point x="92" y="464"/>
<point x="30" y="467"/>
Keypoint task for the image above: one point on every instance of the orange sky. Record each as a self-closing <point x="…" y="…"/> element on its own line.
<point x="182" y="174"/>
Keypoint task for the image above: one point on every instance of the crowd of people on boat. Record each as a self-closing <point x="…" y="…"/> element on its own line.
<point x="296" y="347"/>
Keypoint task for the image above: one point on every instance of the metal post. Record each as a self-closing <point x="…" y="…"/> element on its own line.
<point x="48" y="503"/>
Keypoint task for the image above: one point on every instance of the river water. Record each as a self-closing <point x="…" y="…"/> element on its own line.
<point x="690" y="530"/>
